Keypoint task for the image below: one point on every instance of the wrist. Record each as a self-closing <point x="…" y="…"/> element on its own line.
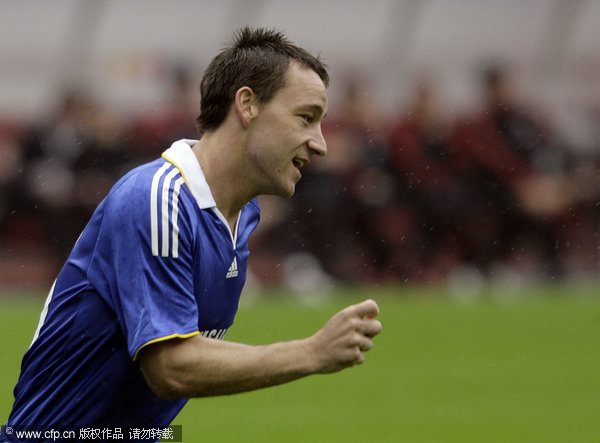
<point x="308" y="362"/>
<point x="310" y="353"/>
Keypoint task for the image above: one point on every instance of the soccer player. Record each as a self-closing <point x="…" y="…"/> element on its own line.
<point x="131" y="328"/>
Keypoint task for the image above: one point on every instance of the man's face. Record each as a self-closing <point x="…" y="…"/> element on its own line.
<point x="287" y="132"/>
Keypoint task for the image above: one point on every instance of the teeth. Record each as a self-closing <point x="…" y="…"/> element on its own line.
<point x="298" y="163"/>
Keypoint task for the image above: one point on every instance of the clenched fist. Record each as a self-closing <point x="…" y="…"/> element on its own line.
<point x="345" y="338"/>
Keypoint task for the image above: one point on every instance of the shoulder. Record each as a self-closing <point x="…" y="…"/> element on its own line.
<point x="147" y="196"/>
<point x="150" y="209"/>
<point x="147" y="184"/>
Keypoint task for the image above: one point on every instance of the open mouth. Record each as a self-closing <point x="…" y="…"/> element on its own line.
<point x="298" y="162"/>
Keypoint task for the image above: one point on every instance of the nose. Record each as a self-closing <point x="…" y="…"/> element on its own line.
<point x="317" y="143"/>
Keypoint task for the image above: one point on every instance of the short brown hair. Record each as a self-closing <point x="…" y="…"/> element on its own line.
<point x="257" y="58"/>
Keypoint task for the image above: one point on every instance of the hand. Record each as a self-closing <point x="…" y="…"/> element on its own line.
<point x="345" y="338"/>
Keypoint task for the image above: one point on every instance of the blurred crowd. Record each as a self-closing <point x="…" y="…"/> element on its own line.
<point x="419" y="195"/>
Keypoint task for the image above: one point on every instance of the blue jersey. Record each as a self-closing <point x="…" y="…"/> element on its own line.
<point x="156" y="261"/>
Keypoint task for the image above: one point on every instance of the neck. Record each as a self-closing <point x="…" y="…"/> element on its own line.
<point x="224" y="174"/>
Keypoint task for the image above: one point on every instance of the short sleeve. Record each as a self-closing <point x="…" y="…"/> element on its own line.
<point x="142" y="263"/>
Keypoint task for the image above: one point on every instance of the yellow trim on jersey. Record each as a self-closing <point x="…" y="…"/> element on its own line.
<point x="178" y="168"/>
<point x="168" y="337"/>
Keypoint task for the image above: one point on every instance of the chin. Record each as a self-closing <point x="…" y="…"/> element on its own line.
<point x="284" y="191"/>
<point x="291" y="190"/>
<point x="284" y="188"/>
<point x="287" y="193"/>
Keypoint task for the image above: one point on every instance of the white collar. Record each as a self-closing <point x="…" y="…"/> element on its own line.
<point x="181" y="155"/>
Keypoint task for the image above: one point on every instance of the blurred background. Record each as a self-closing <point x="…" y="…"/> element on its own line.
<point x="464" y="135"/>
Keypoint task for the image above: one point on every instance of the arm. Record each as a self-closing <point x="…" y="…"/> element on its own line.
<point x="200" y="366"/>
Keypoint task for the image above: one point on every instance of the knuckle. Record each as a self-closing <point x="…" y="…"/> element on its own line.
<point x="346" y="314"/>
<point x="354" y="323"/>
<point x="357" y="338"/>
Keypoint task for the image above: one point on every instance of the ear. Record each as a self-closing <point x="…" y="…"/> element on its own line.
<point x="246" y="105"/>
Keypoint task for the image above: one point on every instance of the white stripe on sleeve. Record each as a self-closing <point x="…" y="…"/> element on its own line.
<point x="175" y="215"/>
<point x="165" y="211"/>
<point x="154" y="206"/>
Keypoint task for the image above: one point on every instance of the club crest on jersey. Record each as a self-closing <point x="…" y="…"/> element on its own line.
<point x="233" y="269"/>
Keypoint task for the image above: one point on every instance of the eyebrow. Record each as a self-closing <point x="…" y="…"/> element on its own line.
<point x="316" y="109"/>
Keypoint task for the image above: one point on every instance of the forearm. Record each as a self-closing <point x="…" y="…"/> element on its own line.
<point x="199" y="366"/>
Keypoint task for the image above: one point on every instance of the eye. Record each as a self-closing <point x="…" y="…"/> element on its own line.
<point x="308" y="118"/>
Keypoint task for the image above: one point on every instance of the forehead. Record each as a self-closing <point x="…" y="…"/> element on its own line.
<point x="303" y="86"/>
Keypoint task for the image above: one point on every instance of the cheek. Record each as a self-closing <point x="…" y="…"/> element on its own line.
<point x="273" y="143"/>
<point x="264" y="157"/>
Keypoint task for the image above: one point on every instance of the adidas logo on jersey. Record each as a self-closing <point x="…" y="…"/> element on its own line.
<point x="233" y="269"/>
